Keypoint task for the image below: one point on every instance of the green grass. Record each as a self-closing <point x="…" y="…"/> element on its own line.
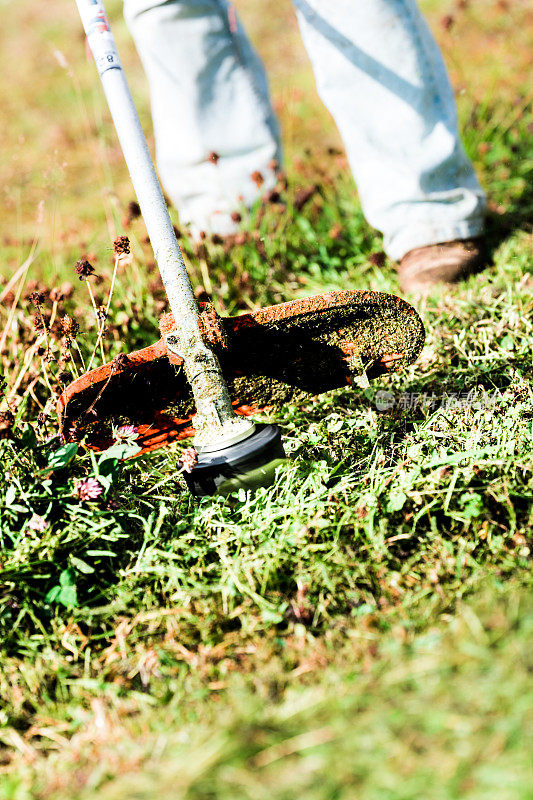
<point x="370" y="711"/>
<point x="360" y="629"/>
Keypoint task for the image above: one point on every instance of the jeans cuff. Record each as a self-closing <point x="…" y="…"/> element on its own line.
<point x="408" y="239"/>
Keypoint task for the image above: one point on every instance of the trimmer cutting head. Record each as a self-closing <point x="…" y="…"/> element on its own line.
<point x="286" y="353"/>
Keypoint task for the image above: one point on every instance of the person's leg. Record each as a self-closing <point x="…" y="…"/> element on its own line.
<point x="209" y="97"/>
<point x="381" y="75"/>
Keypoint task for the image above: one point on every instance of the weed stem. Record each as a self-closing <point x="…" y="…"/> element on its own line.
<point x="100" y="329"/>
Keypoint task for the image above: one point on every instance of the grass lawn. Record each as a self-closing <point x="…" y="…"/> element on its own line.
<point x="361" y="629"/>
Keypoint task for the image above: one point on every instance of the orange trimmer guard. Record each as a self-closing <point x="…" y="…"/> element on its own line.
<point x="285" y="353"/>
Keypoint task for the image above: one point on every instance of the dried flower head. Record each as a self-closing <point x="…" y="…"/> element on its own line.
<point x="120" y="362"/>
<point x="213" y="157"/>
<point x="235" y="216"/>
<point x="87" y="489"/>
<point x="63" y="377"/>
<point x="37" y="298"/>
<point x="38" y="322"/>
<point x="83" y="269"/>
<point x="188" y="459"/>
<point x="70" y="326"/>
<point x="56" y="295"/>
<point x="121" y="246"/>
<point x="257" y="178"/>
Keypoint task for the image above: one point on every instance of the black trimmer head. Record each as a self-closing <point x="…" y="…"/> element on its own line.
<point x="248" y="464"/>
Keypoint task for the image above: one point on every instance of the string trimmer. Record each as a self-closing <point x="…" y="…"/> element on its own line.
<point x="207" y="375"/>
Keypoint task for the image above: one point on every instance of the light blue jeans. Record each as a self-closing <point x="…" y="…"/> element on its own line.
<point x="380" y="74"/>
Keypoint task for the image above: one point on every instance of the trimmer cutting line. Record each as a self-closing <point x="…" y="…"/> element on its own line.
<point x="208" y="375"/>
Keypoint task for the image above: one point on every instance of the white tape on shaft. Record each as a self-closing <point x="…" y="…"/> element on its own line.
<point x="168" y="256"/>
<point x="99" y="35"/>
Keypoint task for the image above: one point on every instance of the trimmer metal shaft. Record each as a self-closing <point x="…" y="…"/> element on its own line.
<point x="216" y="423"/>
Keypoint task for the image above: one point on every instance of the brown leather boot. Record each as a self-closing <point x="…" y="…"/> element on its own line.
<point x="446" y="262"/>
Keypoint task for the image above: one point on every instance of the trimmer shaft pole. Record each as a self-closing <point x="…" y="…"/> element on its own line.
<point x="217" y="425"/>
